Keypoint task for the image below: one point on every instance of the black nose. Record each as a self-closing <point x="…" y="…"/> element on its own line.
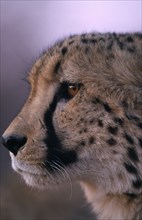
<point x="14" y="143"/>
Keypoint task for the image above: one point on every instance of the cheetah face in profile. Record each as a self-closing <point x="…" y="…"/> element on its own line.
<point x="82" y="120"/>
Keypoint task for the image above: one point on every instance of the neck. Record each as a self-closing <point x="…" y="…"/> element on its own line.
<point x="114" y="206"/>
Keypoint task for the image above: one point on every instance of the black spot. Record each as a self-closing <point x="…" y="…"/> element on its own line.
<point x="86" y="50"/>
<point x="110" y="44"/>
<point x="81" y="119"/>
<point x="125" y="104"/>
<point x="84" y="40"/>
<point x="82" y="143"/>
<point x="131" y="195"/>
<point x="102" y="39"/>
<point x="140" y="141"/>
<point x="118" y="121"/>
<point x="70" y="119"/>
<point x="111" y="56"/>
<point x="96" y="101"/>
<point x="64" y="50"/>
<point x="107" y="107"/>
<point x="77" y="47"/>
<point x="131" y="49"/>
<point x="57" y="66"/>
<point x="129" y="138"/>
<point x="100" y="123"/>
<point x="132" y="154"/>
<point x="91" y="140"/>
<point x="129" y="39"/>
<point x="112" y="130"/>
<point x="132" y="117"/>
<point x="139" y="125"/>
<point x="120" y="44"/>
<point x="111" y="141"/>
<point x="114" y="152"/>
<point x="71" y="42"/>
<point x="130" y="168"/>
<point x="137" y="184"/>
<point x="85" y="130"/>
<point x="91" y="121"/>
<point x="93" y="41"/>
<point x="55" y="152"/>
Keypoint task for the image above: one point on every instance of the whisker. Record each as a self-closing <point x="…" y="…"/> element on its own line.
<point x="67" y="175"/>
<point x="56" y="168"/>
<point x="48" y="173"/>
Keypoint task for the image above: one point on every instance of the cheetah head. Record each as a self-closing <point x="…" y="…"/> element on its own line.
<point x="82" y="119"/>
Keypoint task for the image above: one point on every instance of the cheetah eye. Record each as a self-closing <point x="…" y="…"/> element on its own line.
<point x="73" y="89"/>
<point x="68" y="90"/>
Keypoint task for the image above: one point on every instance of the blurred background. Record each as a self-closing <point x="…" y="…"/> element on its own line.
<point x="27" y="28"/>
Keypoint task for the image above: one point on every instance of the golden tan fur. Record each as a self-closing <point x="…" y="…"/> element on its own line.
<point x="99" y="129"/>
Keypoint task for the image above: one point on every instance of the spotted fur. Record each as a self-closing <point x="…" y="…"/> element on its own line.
<point x="94" y="137"/>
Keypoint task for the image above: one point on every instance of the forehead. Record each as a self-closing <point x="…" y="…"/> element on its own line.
<point x="65" y="61"/>
<point x="88" y="58"/>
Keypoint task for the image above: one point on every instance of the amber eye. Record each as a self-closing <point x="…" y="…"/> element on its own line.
<point x="68" y="90"/>
<point x="73" y="89"/>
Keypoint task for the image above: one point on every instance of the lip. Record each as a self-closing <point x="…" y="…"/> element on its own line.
<point x="23" y="171"/>
<point x="23" y="168"/>
<point x="19" y="170"/>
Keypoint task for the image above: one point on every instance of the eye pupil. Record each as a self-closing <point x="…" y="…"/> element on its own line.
<point x="73" y="89"/>
<point x="68" y="90"/>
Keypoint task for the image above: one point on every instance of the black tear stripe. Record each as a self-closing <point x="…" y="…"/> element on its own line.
<point x="56" y="154"/>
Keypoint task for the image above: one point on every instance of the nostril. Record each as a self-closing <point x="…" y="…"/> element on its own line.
<point x="14" y="143"/>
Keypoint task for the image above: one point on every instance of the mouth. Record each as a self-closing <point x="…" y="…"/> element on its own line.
<point x="23" y="167"/>
<point x="24" y="171"/>
<point x="37" y="177"/>
<point x="33" y="175"/>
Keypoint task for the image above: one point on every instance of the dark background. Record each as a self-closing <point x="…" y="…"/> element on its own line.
<point x="28" y="27"/>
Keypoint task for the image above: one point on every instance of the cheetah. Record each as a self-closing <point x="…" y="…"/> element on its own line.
<point x="83" y="121"/>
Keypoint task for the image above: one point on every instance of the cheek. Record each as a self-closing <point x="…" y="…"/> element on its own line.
<point x="66" y="121"/>
<point x="68" y="126"/>
<point x="68" y="115"/>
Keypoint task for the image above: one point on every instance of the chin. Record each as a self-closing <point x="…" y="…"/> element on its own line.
<point x="36" y="181"/>
<point x="35" y="176"/>
<point x="41" y="182"/>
